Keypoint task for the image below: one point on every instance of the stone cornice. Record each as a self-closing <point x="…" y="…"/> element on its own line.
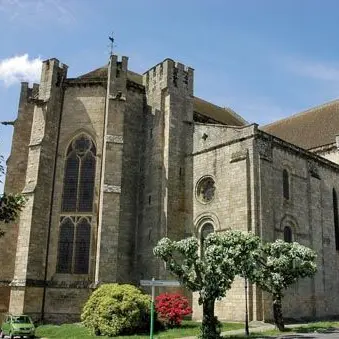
<point x="294" y="149"/>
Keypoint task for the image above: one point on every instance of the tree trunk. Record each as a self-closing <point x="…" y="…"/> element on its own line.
<point x="277" y="313"/>
<point x="210" y="328"/>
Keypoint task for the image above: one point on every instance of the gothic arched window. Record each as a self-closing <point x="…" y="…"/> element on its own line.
<point x="287" y="234"/>
<point x="335" y="218"/>
<point x="79" y="175"/>
<point x="286" y="185"/>
<point x="206" y="229"/>
<point x="77" y="206"/>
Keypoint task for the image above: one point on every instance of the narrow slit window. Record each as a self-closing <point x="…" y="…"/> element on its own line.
<point x="286" y="185"/>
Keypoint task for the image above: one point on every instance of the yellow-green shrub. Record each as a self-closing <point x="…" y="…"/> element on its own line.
<point x="115" y="309"/>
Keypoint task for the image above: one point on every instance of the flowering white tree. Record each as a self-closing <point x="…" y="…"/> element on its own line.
<point x="223" y="257"/>
<point x="281" y="264"/>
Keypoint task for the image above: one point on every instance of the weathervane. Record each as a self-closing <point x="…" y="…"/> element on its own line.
<point x="111" y="45"/>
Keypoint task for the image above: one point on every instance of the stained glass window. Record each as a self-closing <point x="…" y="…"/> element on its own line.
<point x="82" y="246"/>
<point x="69" y="200"/>
<point x="77" y="207"/>
<point x="79" y="176"/>
<point x="66" y="237"/>
<point x="86" y="184"/>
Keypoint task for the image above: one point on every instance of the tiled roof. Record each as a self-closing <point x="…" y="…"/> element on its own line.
<point x="101" y="73"/>
<point x="219" y="114"/>
<point x="224" y="115"/>
<point x="315" y="127"/>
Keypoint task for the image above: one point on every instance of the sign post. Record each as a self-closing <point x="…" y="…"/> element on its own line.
<point x="157" y="283"/>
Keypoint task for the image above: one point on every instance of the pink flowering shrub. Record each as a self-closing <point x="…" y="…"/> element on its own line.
<point x="171" y="308"/>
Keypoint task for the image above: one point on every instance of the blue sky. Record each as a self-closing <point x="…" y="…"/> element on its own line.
<point x="265" y="59"/>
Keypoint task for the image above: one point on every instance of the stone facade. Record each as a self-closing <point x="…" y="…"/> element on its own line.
<point x="166" y="164"/>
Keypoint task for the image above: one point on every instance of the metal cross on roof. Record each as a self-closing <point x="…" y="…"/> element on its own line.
<point x="111" y="45"/>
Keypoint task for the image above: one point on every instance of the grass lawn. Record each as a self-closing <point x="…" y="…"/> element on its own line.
<point x="77" y="331"/>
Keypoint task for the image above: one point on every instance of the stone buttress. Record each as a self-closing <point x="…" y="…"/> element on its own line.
<point x="27" y="287"/>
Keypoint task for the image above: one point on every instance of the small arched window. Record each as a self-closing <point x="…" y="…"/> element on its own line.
<point x="206" y="229"/>
<point x="287" y="234"/>
<point x="286" y="185"/>
<point x="335" y="218"/>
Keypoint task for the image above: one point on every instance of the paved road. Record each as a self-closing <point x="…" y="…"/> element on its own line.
<point x="261" y="327"/>
<point x="329" y="334"/>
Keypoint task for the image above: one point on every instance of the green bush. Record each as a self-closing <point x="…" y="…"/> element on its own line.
<point x="115" y="309"/>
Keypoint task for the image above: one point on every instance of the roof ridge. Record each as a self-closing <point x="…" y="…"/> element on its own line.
<point x="309" y="110"/>
<point x="225" y="108"/>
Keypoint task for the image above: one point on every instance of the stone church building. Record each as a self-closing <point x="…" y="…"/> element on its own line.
<point x="112" y="161"/>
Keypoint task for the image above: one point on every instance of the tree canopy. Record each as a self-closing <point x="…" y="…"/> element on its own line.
<point x="280" y="265"/>
<point x="212" y="273"/>
<point x="272" y="266"/>
<point x="10" y="204"/>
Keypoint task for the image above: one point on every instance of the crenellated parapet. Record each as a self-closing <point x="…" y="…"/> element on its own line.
<point x="53" y="75"/>
<point x="117" y="77"/>
<point x="169" y="74"/>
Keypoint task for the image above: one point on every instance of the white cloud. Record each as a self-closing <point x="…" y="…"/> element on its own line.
<point x="314" y="69"/>
<point x="20" y="68"/>
<point x="47" y="10"/>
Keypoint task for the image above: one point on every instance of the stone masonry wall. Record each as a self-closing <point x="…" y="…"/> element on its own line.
<point x="309" y="212"/>
<point x="229" y="165"/>
<point x="83" y="111"/>
<point x="15" y="182"/>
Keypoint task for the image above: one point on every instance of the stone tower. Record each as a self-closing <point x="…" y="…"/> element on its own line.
<point x="165" y="211"/>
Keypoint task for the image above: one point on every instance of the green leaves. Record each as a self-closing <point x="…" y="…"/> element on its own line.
<point x="10" y="204"/>
<point x="272" y="266"/>
<point x="223" y="257"/>
<point x="282" y="264"/>
<point x="115" y="309"/>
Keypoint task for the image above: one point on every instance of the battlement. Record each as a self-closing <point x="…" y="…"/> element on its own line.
<point x="117" y="77"/>
<point x="169" y="74"/>
<point x="119" y="64"/>
<point x="54" y="62"/>
<point x="29" y="92"/>
<point x="52" y="76"/>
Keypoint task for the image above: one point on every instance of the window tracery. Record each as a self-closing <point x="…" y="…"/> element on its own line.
<point x="77" y="207"/>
